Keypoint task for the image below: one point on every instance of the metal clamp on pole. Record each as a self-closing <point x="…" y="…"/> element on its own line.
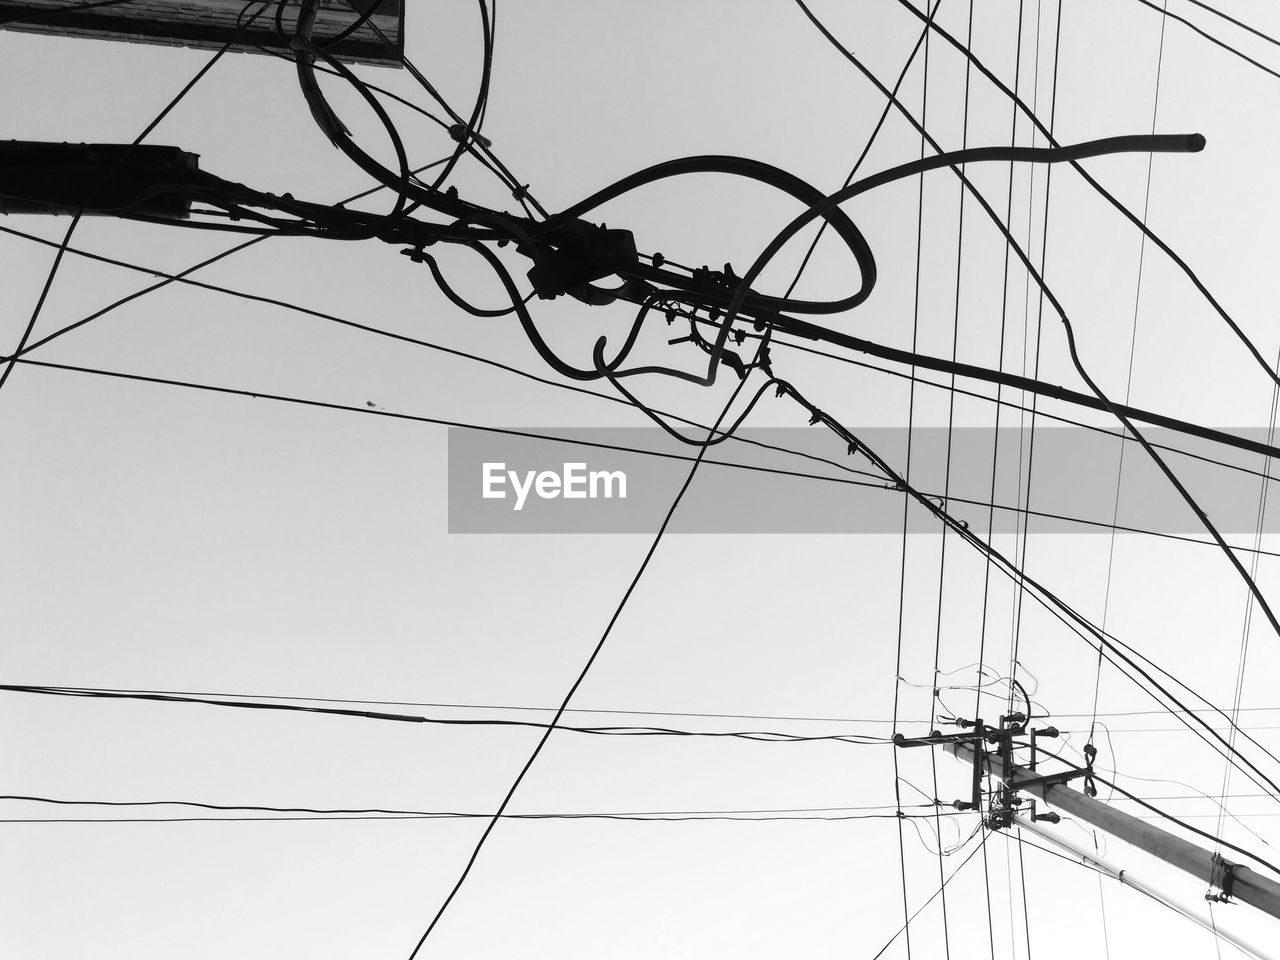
<point x="1222" y="879"/>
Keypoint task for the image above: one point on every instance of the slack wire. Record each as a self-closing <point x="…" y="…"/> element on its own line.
<point x="75" y="220"/>
<point x="763" y="736"/>
<point x="582" y="675"/>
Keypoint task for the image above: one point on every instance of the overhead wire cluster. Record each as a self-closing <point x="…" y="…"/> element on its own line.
<point x="572" y="255"/>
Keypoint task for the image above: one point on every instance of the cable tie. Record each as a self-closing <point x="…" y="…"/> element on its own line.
<point x="817" y="415"/>
<point x="521" y="191"/>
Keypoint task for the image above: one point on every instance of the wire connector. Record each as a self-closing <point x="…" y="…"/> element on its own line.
<point x="1222" y="879"/>
<point x="461" y="133"/>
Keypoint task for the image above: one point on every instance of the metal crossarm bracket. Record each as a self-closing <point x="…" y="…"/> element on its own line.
<point x="1046" y="781"/>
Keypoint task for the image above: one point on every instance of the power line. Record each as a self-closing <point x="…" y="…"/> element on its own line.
<point x="761" y="735"/>
<point x="52" y="273"/>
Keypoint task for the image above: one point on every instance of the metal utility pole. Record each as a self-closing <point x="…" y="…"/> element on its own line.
<point x="1235" y="880"/>
<point x="1126" y="877"/>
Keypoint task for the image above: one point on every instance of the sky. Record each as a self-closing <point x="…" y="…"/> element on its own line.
<point x="162" y="538"/>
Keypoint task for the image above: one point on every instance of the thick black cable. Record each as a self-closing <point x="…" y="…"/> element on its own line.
<point x="824" y="208"/>
<point x="1193" y="143"/>
<point x="1232" y="20"/>
<point x="1105" y="194"/>
<point x="1201" y="32"/>
<point x="75" y="220"/>
<point x="184" y="278"/>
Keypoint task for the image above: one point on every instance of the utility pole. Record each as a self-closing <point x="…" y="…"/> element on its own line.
<point x="1233" y="880"/>
<point x="1126" y="877"/>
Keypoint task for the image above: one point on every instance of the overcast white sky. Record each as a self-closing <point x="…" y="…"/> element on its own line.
<point x="167" y="539"/>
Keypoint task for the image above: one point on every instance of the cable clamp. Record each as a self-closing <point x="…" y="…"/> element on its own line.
<point x="1222" y="878"/>
<point x="521" y="191"/>
<point x="1090" y="753"/>
<point x="462" y="133"/>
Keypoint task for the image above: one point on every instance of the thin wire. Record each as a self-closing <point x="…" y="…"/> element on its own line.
<point x="763" y="736"/>
<point x="52" y="273"/>
<point x="905" y="928"/>
<point x="946" y="482"/>
<point x="1067" y="327"/>
<point x="906" y="505"/>
<point x="379" y="813"/>
<point x="546" y="735"/>
<point x="1247" y="623"/>
<point x="1133" y="343"/>
<point x="995" y="447"/>
<point x="1200" y="31"/>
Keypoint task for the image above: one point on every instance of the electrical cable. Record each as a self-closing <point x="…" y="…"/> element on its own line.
<point x="1200" y="31"/>
<point x="1103" y="192"/>
<point x="1164" y="814"/>
<point x="932" y="897"/>
<point x="761" y="736"/>
<point x="1193" y="143"/>
<point x="75" y="220"/>
<point x="586" y="668"/>
<point x="1133" y="341"/>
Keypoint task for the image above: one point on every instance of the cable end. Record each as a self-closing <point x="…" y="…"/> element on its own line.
<point x="1195" y="142"/>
